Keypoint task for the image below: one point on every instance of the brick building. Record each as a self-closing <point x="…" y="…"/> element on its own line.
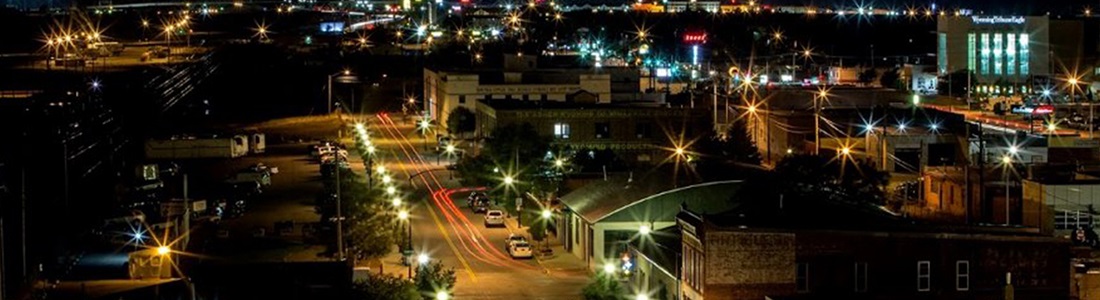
<point x="842" y="251"/>
<point x="638" y="133"/>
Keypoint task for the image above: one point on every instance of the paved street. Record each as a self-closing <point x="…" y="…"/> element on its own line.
<point x="448" y="230"/>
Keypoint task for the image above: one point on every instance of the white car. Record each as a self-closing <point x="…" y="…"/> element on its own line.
<point x="512" y="239"/>
<point x="520" y="250"/>
<point x="494" y="218"/>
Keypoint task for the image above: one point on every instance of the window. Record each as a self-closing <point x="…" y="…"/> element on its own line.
<point x="461" y="99"/>
<point x="962" y="275"/>
<point x="941" y="55"/>
<point x="1024" y="53"/>
<point x="603" y="130"/>
<point x="802" y="277"/>
<point x="924" y="276"/>
<point x="561" y="130"/>
<point x="998" y="51"/>
<point x="1010" y="54"/>
<point x="861" y="277"/>
<point x="643" y="130"/>
<point x="971" y="52"/>
<point x="985" y="54"/>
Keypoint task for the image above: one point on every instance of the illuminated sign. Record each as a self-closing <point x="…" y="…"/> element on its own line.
<point x="997" y="20"/>
<point x="332" y="27"/>
<point x="695" y="38"/>
<point x="1033" y="110"/>
<point x="664" y="72"/>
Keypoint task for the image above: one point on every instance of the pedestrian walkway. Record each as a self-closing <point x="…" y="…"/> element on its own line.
<point x="558" y="260"/>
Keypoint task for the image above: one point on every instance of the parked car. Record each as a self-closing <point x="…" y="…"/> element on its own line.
<point x="494" y="218"/>
<point x="512" y="239"/>
<point x="520" y="250"/>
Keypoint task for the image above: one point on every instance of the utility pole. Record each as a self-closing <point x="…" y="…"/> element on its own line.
<point x="339" y="219"/>
<point x="186" y="236"/>
<point x="817" y="125"/>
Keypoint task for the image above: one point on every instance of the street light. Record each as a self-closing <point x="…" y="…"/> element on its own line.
<point x="390" y="190"/>
<point x="380" y="169"/>
<point x="609" y="268"/>
<point x="559" y="163"/>
<point x="508" y="180"/>
<point x="397" y="203"/>
<point x="641" y="297"/>
<point x="441" y="296"/>
<point x="386" y="179"/>
<point x="163" y="250"/>
<point x="422" y="258"/>
<point x="546" y="214"/>
<point x="644" y="230"/>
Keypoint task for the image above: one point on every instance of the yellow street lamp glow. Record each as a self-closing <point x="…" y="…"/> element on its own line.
<point x="644" y="230"/>
<point x="1013" y="149"/>
<point x="609" y="268"/>
<point x="163" y="250"/>
<point x="396" y="201"/>
<point x="916" y="99"/>
<point x="441" y="296"/>
<point x="546" y="214"/>
<point x="370" y="149"/>
<point x="559" y="163"/>
<point x="403" y="215"/>
<point x="641" y="297"/>
<point x="509" y="180"/>
<point x="380" y="169"/>
<point x="386" y="179"/>
<point x="752" y="109"/>
<point x="391" y="190"/>
<point x="450" y="148"/>
<point x="1052" y="127"/>
<point x="846" y="151"/>
<point x="347" y="72"/>
<point x="1006" y="159"/>
<point x="422" y="258"/>
<point x="1073" y="81"/>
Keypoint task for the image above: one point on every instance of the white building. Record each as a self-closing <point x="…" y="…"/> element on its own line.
<point x="446" y="90"/>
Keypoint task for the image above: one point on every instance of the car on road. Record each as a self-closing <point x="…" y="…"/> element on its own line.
<point x="478" y="202"/>
<point x="512" y="239"/>
<point x="494" y="218"/>
<point x="521" y="250"/>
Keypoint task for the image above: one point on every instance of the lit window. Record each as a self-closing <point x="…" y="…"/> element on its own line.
<point x="971" y="51"/>
<point x="561" y="130"/>
<point x="998" y="47"/>
<point x="1010" y="54"/>
<point x="941" y="55"/>
<point x="985" y="53"/>
<point x="1024" y="52"/>
<point x="802" y="278"/>
<point x="962" y="275"/>
<point x="924" y="276"/>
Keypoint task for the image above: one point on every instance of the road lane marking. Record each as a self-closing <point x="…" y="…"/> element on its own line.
<point x="446" y="237"/>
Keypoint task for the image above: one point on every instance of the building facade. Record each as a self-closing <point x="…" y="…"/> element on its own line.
<point x="446" y="90"/>
<point x="637" y="134"/>
<point x="1003" y="52"/>
<point x="785" y="258"/>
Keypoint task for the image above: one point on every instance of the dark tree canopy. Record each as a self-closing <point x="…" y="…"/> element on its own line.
<point x="819" y="178"/>
<point x="461" y="120"/>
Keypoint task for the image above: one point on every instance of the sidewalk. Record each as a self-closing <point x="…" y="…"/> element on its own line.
<point x="558" y="261"/>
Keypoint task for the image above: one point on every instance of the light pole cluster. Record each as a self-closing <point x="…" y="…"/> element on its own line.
<point x="390" y="191"/>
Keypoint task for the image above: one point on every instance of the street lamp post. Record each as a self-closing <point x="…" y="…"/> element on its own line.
<point x="1007" y="160"/>
<point x="817" y="121"/>
<point x="403" y="215"/>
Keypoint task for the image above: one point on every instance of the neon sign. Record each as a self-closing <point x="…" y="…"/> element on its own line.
<point x="695" y="38"/>
<point x="997" y="19"/>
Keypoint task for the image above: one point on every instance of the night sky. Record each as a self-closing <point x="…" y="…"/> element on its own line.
<point x="1032" y="7"/>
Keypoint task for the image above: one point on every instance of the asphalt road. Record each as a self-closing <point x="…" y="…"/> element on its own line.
<point x="447" y="230"/>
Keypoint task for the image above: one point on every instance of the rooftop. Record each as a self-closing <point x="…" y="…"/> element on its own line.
<point x="652" y="197"/>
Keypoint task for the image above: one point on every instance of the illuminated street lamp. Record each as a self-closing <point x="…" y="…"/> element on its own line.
<point x="163" y="250"/>
<point x="344" y="73"/>
<point x="396" y="202"/>
<point x="1007" y="163"/>
<point x="609" y="268"/>
<point x="390" y="190"/>
<point x="380" y="169"/>
<point x="641" y="297"/>
<point x="386" y="179"/>
<point x="442" y="296"/>
<point x="546" y="214"/>
<point x="1013" y="149"/>
<point x="508" y="180"/>
<point x="559" y="163"/>
<point x="644" y="230"/>
<point x="846" y="151"/>
<point x="422" y="259"/>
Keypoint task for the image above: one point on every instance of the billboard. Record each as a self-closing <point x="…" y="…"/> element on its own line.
<point x="332" y="27"/>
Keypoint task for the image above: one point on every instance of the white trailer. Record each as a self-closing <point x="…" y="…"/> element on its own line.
<point x="192" y="147"/>
<point x="257" y="144"/>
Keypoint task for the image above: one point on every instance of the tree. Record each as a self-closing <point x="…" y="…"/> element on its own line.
<point x="382" y="286"/>
<point x="813" y="178"/>
<point x="368" y="230"/>
<point x="867" y="76"/>
<point x="734" y="145"/>
<point x="512" y="148"/>
<point x="889" y="79"/>
<point x="603" y="287"/>
<point x="461" y="120"/>
<point x="433" y="278"/>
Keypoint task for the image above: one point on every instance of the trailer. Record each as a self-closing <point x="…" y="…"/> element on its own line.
<point x="195" y="147"/>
